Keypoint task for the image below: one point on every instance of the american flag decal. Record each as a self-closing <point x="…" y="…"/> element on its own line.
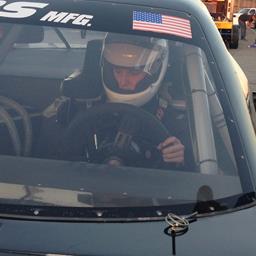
<point x="159" y="23"/>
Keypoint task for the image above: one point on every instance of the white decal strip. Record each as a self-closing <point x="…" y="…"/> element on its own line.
<point x="19" y="9"/>
<point x="27" y="9"/>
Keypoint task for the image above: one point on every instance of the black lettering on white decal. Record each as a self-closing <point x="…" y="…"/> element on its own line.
<point x="19" y="9"/>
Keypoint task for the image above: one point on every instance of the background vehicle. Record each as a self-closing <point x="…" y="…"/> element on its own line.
<point x="222" y="13"/>
<point x="249" y="11"/>
<point x="60" y="192"/>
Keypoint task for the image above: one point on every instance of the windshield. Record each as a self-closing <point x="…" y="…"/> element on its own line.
<point x="103" y="119"/>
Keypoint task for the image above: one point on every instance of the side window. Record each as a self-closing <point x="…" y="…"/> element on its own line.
<point x="213" y="144"/>
<point x="224" y="151"/>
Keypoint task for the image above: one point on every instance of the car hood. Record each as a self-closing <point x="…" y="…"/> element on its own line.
<point x="228" y="234"/>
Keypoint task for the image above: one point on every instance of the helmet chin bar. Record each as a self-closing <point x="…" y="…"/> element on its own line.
<point x="136" y="99"/>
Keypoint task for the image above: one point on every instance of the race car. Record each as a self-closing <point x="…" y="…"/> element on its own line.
<point x="126" y="128"/>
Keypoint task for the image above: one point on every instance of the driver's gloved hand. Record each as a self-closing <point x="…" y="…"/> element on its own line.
<point x="172" y="150"/>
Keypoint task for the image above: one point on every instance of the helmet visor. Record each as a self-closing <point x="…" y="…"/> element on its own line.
<point x="133" y="56"/>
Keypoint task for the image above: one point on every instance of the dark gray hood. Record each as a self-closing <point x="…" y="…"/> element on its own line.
<point x="229" y="234"/>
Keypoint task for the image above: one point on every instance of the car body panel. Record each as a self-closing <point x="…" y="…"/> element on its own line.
<point x="203" y="237"/>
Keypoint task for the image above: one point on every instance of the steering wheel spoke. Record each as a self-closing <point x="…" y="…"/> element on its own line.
<point x="127" y="129"/>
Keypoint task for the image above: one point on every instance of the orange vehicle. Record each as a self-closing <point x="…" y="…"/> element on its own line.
<point x="222" y="13"/>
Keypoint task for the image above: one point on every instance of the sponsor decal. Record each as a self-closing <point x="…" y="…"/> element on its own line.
<point x="65" y="17"/>
<point x="159" y="23"/>
<point x="23" y="9"/>
<point x="19" y="9"/>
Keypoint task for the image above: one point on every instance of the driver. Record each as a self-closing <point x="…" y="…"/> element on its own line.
<point x="133" y="68"/>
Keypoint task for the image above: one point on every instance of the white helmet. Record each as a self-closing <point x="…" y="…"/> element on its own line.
<point x="147" y="54"/>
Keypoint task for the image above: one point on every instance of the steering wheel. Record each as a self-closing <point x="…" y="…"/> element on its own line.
<point x="116" y="134"/>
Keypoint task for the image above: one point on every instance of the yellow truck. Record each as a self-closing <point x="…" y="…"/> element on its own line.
<point x="222" y="13"/>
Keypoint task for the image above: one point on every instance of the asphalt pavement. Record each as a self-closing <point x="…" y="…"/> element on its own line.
<point x="246" y="57"/>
